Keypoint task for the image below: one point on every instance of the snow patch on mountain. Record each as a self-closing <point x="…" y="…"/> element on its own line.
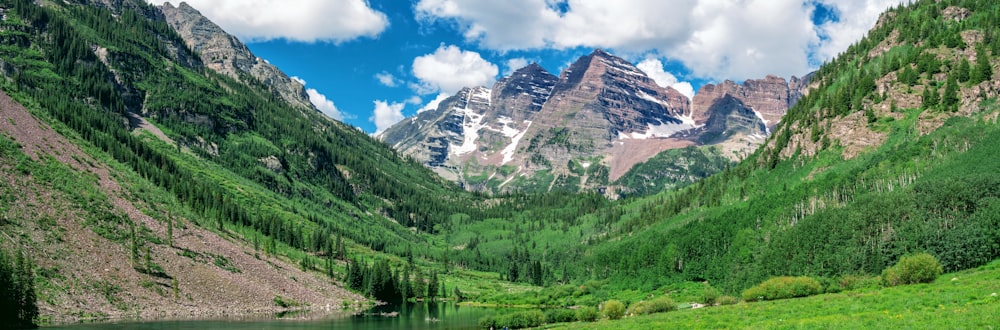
<point x="663" y="130"/>
<point x="508" y="152"/>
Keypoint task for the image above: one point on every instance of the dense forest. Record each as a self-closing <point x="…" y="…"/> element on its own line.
<point x="810" y="202"/>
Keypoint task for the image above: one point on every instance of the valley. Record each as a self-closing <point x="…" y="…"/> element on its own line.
<point x="153" y="168"/>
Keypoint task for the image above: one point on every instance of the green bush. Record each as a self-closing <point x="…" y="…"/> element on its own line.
<point x="782" y="288"/>
<point x="854" y="282"/>
<point x="830" y="285"/>
<point x="560" y="315"/>
<point x="613" y="309"/>
<point x="587" y="314"/>
<point x="515" y="320"/>
<point x="709" y="296"/>
<point x="728" y="300"/>
<point x="658" y="305"/>
<point x="918" y="268"/>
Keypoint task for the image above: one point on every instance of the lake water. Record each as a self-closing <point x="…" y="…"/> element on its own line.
<point x="411" y="316"/>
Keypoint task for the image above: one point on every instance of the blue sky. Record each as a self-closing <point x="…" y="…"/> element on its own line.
<point x="370" y="64"/>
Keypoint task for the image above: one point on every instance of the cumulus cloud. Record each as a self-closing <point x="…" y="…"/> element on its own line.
<point x="654" y="69"/>
<point x="386" y="79"/>
<point x="717" y="39"/>
<point x="449" y="69"/>
<point x="320" y="101"/>
<point x="856" y="17"/>
<point x="299" y="20"/>
<point x="433" y="104"/>
<point x="386" y="114"/>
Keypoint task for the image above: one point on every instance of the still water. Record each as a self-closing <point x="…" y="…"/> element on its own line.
<point x="411" y="316"/>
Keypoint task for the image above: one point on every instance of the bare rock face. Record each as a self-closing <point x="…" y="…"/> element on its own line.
<point x="769" y="98"/>
<point x="225" y="54"/>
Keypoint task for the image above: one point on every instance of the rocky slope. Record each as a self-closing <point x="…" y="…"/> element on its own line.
<point x="584" y="129"/>
<point x="71" y="229"/>
<point x="226" y="54"/>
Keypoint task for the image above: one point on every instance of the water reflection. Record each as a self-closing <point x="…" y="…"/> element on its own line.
<point x="413" y="316"/>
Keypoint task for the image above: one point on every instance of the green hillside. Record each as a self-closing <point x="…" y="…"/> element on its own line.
<point x="893" y="152"/>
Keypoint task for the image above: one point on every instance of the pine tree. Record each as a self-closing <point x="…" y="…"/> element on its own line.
<point x="432" y="286"/>
<point x="962" y="72"/>
<point x="983" y="70"/>
<point x="930" y="97"/>
<point x="950" y="99"/>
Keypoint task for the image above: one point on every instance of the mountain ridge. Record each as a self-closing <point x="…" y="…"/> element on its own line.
<point x="601" y="111"/>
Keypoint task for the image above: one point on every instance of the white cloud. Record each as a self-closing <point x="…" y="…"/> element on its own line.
<point x="433" y="104"/>
<point x="514" y="64"/>
<point x="654" y="69"/>
<point x="449" y="69"/>
<point x="299" y="20"/>
<point x="717" y="39"/>
<point x="386" y="79"/>
<point x="857" y="17"/>
<point x="386" y="114"/>
<point x="320" y="101"/>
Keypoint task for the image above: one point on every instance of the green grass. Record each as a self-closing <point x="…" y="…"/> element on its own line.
<point x="967" y="299"/>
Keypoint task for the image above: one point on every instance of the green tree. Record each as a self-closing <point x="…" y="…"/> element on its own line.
<point x="18" y="305"/>
<point x="962" y="73"/>
<point x="930" y="97"/>
<point x="432" y="286"/>
<point x="950" y="99"/>
<point x="983" y="70"/>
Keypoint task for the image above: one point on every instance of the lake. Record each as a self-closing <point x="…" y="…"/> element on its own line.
<point x="418" y="316"/>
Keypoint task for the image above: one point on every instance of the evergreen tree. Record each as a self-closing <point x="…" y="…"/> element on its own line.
<point x="962" y="73"/>
<point x="950" y="99"/>
<point x="432" y="286"/>
<point x="18" y="305"/>
<point x="419" y="284"/>
<point x="930" y="97"/>
<point x="983" y="70"/>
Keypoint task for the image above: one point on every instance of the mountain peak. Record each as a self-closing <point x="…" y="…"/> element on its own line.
<point x="601" y="53"/>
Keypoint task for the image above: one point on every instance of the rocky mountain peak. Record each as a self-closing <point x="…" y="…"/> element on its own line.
<point x="769" y="98"/>
<point x="226" y="54"/>
<point x="525" y="90"/>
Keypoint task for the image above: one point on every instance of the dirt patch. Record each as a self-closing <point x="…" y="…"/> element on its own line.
<point x="94" y="276"/>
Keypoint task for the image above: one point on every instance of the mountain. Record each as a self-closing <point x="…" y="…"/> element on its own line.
<point x="739" y="116"/>
<point x="153" y="166"/>
<point x="227" y="55"/>
<point x="892" y="152"/>
<point x="583" y="130"/>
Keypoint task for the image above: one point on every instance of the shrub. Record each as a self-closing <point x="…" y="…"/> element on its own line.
<point x="658" y="305"/>
<point x="560" y="315"/>
<point x="613" y="309"/>
<point x="854" y="282"/>
<point x="515" y="320"/>
<point x="587" y="314"/>
<point x="709" y="295"/>
<point x="830" y="285"/>
<point x="918" y="268"/>
<point x="728" y="300"/>
<point x="783" y="288"/>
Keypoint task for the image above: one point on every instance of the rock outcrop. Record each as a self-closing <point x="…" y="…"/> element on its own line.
<point x="226" y="54"/>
